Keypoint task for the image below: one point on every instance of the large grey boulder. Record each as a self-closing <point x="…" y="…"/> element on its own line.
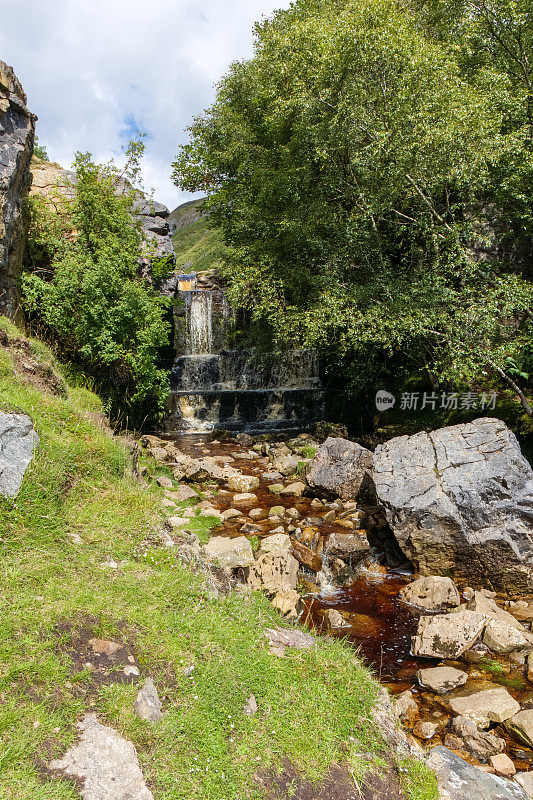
<point x="447" y="635"/>
<point x="18" y="440"/>
<point x="105" y="764"/>
<point x="340" y="469"/>
<point x="460" y="502"/>
<point x="432" y="593"/>
<point x="459" y="780"/>
<point x="485" y="707"/>
<point x="17" y="129"/>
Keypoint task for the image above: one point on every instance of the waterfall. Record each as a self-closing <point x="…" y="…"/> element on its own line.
<point x="200" y="322"/>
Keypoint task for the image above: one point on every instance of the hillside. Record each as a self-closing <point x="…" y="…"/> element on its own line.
<point x="198" y="246"/>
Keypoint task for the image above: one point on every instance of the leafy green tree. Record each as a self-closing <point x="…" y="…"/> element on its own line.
<point x="39" y="150"/>
<point x="82" y="283"/>
<point x="369" y="167"/>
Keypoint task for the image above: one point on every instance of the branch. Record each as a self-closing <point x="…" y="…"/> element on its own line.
<point x="516" y="389"/>
<point x="428" y="204"/>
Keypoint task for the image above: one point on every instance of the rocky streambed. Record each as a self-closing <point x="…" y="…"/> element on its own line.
<point x="457" y="657"/>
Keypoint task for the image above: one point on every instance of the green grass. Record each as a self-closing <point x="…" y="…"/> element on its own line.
<point x="199" y="247"/>
<point x="77" y="509"/>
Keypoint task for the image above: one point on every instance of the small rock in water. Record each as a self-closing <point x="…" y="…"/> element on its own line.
<point x="447" y="635"/>
<point x="432" y="593"/>
<point x="245" y="498"/>
<point x="257" y="513"/>
<point x="277" y="511"/>
<point x="503" y="638"/>
<point x="276" y="543"/>
<point x="502" y="764"/>
<point x="148" y="705"/>
<point x="276" y="488"/>
<point x="406" y="706"/>
<point x="425" y="729"/>
<point x="243" y="483"/>
<point x="441" y="679"/>
<point x="334" y="618"/>
<point x="230" y="513"/>
<point x="520" y="726"/>
<point x="480" y="744"/>
<point x="486" y="706"/>
<point x="295" y="489"/>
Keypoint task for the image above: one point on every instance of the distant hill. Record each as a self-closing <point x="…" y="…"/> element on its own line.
<point x="198" y="246"/>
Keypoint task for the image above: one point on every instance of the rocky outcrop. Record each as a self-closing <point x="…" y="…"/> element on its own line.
<point x="17" y="130"/>
<point x="18" y="440"/>
<point x="340" y="469"/>
<point x="459" y="780"/>
<point x="460" y="502"/>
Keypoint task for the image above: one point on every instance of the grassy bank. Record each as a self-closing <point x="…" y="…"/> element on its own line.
<point x="76" y="564"/>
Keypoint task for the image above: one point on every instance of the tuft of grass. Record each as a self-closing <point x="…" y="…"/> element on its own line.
<point x="418" y="781"/>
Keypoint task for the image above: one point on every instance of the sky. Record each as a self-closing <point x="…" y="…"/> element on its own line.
<point x="95" y="71"/>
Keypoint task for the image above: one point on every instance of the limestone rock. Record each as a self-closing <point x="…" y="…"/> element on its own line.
<point x="432" y="593"/>
<point x="18" y="440"/>
<point x="275" y="543"/>
<point x="525" y="779"/>
<point x="287" y="602"/>
<point x="243" y="483"/>
<point x="441" y="679"/>
<point x="406" y="707"/>
<point x="520" y="726"/>
<point x="295" y="489"/>
<point x="459" y="501"/>
<point x="273" y="572"/>
<point x="502" y="764"/>
<point x="425" y="729"/>
<point x="105" y="764"/>
<point x="340" y="469"/>
<point x="288" y="637"/>
<point x="148" y="705"/>
<point x="489" y="608"/>
<point x="503" y="638"/>
<point x="244" y="498"/>
<point x="486" y="706"/>
<point x="351" y="547"/>
<point x="230" y="553"/>
<point x="480" y="744"/>
<point x="459" y="780"/>
<point x="447" y="635"/>
<point x="17" y="129"/>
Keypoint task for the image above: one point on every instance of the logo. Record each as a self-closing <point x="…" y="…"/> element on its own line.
<point x="384" y="400"/>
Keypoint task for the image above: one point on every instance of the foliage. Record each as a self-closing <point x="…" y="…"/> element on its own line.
<point x="39" y="150"/>
<point x="81" y="282"/>
<point x="199" y="246"/>
<point x="371" y="167"/>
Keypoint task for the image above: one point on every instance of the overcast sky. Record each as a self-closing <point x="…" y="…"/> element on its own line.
<point x="95" y="70"/>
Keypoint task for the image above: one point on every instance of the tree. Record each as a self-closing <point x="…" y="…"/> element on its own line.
<point x="39" y="150"/>
<point x="82" y="283"/>
<point x="365" y="168"/>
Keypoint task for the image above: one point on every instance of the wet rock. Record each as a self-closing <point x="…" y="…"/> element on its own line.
<point x="521" y="610"/>
<point x="459" y="780"/>
<point x="285" y="464"/>
<point x="293" y="513"/>
<point x="277" y="511"/>
<point x="273" y="572"/>
<point x="529" y="662"/>
<point x="441" y="679"/>
<point x="458" y="501"/>
<point x="406" y="707"/>
<point x="520" y="726"/>
<point x="148" y="705"/>
<point x="287" y="602"/>
<point x="425" y="729"/>
<point x="503" y="638"/>
<point x="340" y="469"/>
<point x="243" y="483"/>
<point x="334" y="619"/>
<point x="276" y="543"/>
<point x="295" y="489"/>
<point x="230" y="552"/>
<point x="432" y="593"/>
<point x="486" y="706"/>
<point x="104" y="763"/>
<point x="276" y="488"/>
<point x="231" y="513"/>
<point x="306" y="556"/>
<point x="480" y="744"/>
<point x="488" y="606"/>
<point x="18" y="440"/>
<point x="502" y="764"/>
<point x="245" y="498"/>
<point x="447" y="635"/>
<point x="350" y="547"/>
<point x="272" y="475"/>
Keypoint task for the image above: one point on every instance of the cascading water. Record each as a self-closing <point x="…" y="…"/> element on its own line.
<point x="212" y="387"/>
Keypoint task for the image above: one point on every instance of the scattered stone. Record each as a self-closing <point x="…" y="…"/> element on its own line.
<point x="520" y="726"/>
<point x="181" y="493"/>
<point x="425" y="729"/>
<point x="459" y="780"/>
<point x="340" y="469"/>
<point x="276" y="543"/>
<point x="131" y="671"/>
<point x="487" y="606"/>
<point x="148" y="705"/>
<point x="441" y="679"/>
<point x="432" y="593"/>
<point x="277" y="511"/>
<point x="243" y="483"/>
<point x="104" y="647"/>
<point x="530" y="666"/>
<point x="257" y="513"/>
<point x="503" y="638"/>
<point x="286" y="602"/>
<point x="447" y="635"/>
<point x="295" y="489"/>
<point x="245" y="498"/>
<point x="329" y="516"/>
<point x="104" y="763"/>
<point x="293" y="513"/>
<point x="166" y="503"/>
<point x="250" y="707"/>
<point x="271" y="476"/>
<point x="525" y="779"/>
<point x="230" y="513"/>
<point x="178" y="522"/>
<point x="18" y="440"/>
<point x="276" y="488"/>
<point x="230" y="553"/>
<point x="164" y="482"/>
<point x="306" y="556"/>
<point x="486" y="706"/>
<point x="273" y="572"/>
<point x="287" y="637"/>
<point x="458" y="500"/>
<point x="334" y="618"/>
<point x="502" y="764"/>
<point x="480" y="744"/>
<point x="250" y="528"/>
<point x="406" y="707"/>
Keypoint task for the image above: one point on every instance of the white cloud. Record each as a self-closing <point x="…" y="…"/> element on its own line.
<point x="92" y="69"/>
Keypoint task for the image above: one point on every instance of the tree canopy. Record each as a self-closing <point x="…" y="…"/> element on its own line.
<point x="371" y="167"/>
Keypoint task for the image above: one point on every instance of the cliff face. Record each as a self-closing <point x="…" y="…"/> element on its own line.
<point x="17" y="129"/>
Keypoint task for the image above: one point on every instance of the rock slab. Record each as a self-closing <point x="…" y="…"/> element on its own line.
<point x="460" y="502"/>
<point x="340" y="469"/>
<point x="18" y="440"/>
<point x="105" y="764"/>
<point x="459" y="780"/>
